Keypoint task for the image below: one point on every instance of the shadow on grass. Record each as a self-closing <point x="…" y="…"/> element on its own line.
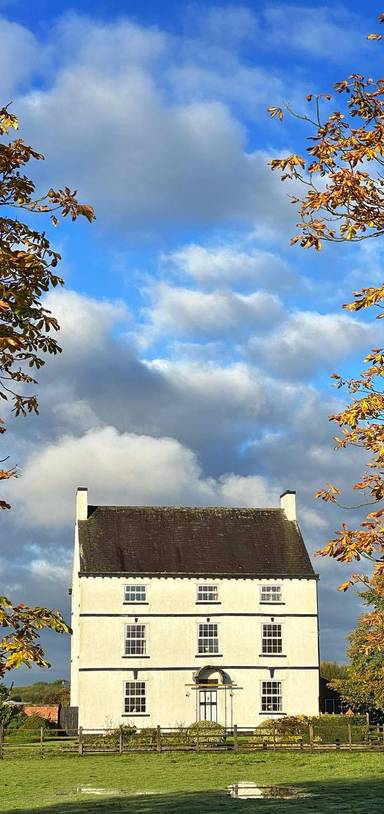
<point x="354" y="797"/>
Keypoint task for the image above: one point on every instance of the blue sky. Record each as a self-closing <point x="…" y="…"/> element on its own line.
<point x="197" y="346"/>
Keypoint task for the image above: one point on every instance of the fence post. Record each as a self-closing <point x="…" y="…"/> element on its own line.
<point x="197" y="738"/>
<point x="350" y="734"/>
<point x="337" y="743"/>
<point x="81" y="745"/>
<point x="41" y="741"/>
<point x="121" y="744"/>
<point x="311" y="739"/>
<point x="235" y="739"/>
<point x="158" y="739"/>
<point x="1" y="742"/>
<point x="274" y="739"/>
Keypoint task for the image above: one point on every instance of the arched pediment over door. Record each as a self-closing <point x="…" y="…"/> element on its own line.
<point x="211" y="675"/>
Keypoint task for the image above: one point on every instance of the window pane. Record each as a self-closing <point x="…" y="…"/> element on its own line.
<point x="207" y="593"/>
<point x="135" y="642"/>
<point x="208" y="641"/>
<point x="271" y="593"/>
<point x="272" y="640"/>
<point x="135" y="697"/>
<point x="135" y="593"/>
<point x="271" y="698"/>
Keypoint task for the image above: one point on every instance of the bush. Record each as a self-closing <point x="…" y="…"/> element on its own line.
<point x="110" y="738"/>
<point x="326" y="728"/>
<point x="207" y="732"/>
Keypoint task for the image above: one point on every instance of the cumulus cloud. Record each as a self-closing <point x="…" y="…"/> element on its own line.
<point x="19" y="57"/>
<point x="122" y="468"/>
<point x="327" y="31"/>
<point x="142" y="156"/>
<point x="184" y="312"/>
<point x="230" y="264"/>
<point x="308" y="341"/>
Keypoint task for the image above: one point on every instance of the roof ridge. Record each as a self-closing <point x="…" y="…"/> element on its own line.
<point x="195" y="508"/>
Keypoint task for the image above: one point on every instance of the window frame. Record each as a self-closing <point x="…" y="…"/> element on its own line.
<point x="200" y="638"/>
<point x="201" y="586"/>
<point x="135" y="712"/>
<point x="264" y="697"/>
<point x="144" y="639"/>
<point x="274" y="587"/>
<point x="135" y="586"/>
<point x="271" y="639"/>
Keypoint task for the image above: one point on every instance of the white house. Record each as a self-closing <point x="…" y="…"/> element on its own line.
<point x="181" y="614"/>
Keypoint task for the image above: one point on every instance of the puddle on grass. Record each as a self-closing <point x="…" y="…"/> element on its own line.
<point x="111" y="792"/>
<point x="250" y="791"/>
<point x="95" y="790"/>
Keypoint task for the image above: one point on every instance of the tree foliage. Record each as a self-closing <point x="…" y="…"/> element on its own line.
<point x="27" y="272"/>
<point x="342" y="175"/>
<point x="363" y="682"/>
<point x="332" y="669"/>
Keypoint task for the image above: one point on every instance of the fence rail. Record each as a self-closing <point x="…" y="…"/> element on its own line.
<point x="197" y="738"/>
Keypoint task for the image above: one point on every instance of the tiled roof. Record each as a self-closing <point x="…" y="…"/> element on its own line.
<point x="172" y="540"/>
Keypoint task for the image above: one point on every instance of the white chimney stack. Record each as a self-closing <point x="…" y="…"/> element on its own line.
<point x="81" y="503"/>
<point x="288" y="504"/>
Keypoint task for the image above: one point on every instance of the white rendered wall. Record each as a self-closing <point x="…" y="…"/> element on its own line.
<point x="172" y="616"/>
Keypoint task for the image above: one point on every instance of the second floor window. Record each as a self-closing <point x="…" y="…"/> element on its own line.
<point x="135" y="640"/>
<point x="207" y="593"/>
<point x="208" y="641"/>
<point x="271" y="640"/>
<point x="135" y="593"/>
<point x="271" y="593"/>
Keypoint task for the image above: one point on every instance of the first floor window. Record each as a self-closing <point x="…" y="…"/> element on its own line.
<point x="271" y="641"/>
<point x="207" y="593"/>
<point x="135" y="593"/>
<point x="271" y="698"/>
<point x="208" y="641"/>
<point x="271" y="593"/>
<point x="135" y="640"/>
<point x="135" y="696"/>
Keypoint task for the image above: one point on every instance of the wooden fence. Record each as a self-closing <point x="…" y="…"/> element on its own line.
<point x="81" y="742"/>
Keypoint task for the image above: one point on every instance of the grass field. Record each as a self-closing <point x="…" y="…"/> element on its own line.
<point x="192" y="783"/>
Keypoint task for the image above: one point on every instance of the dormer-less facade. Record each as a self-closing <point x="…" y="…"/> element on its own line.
<point x="182" y="614"/>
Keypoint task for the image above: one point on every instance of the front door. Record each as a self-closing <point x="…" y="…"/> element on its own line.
<point x="208" y="705"/>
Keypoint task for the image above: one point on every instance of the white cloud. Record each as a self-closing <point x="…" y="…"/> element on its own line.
<point x="111" y="126"/>
<point x="308" y="341"/>
<point x="119" y="468"/>
<point x="84" y="321"/>
<point x="45" y="570"/>
<point x="229" y="264"/>
<point x="19" y="57"/>
<point x="319" y="31"/>
<point x="186" y="312"/>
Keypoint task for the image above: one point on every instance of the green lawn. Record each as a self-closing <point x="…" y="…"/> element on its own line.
<point x="192" y="783"/>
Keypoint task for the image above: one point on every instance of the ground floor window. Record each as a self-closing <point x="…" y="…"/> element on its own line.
<point x="271" y="697"/>
<point x="135" y="696"/>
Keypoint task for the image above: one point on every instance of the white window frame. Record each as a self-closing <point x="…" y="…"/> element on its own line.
<point x="202" y="588"/>
<point x="142" y="709"/>
<point x="272" y="637"/>
<point x="135" y="587"/>
<point x="208" y="638"/>
<point x="273" y="589"/>
<point x="143" y="639"/>
<point x="275" y="696"/>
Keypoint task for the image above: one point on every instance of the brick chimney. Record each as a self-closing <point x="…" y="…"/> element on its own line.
<point x="288" y="504"/>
